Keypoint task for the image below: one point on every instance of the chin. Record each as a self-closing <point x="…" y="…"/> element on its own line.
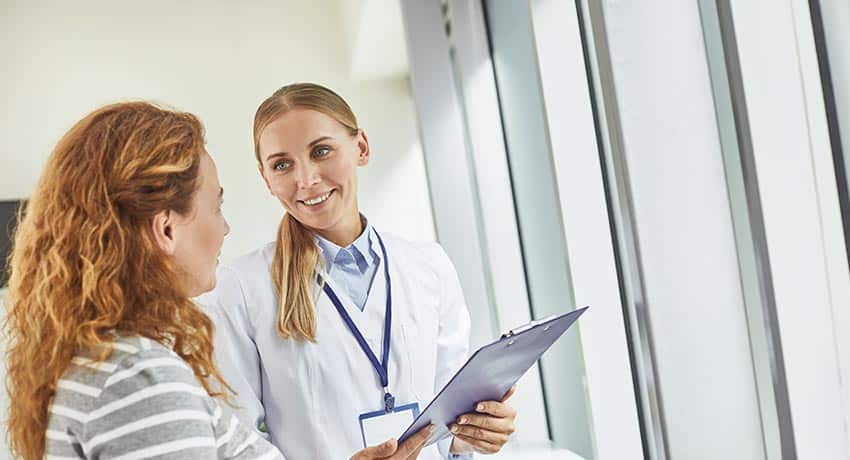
<point x="210" y="285"/>
<point x="322" y="222"/>
<point x="203" y="288"/>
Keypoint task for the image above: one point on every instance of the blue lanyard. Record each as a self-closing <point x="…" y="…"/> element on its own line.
<point x="382" y="366"/>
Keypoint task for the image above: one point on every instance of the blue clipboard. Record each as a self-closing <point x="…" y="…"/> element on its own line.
<point x="490" y="372"/>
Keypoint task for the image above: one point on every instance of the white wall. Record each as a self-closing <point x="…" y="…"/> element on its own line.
<point x="371" y="25"/>
<point x="217" y="59"/>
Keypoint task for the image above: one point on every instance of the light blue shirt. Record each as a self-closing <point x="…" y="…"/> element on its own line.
<point x="352" y="267"/>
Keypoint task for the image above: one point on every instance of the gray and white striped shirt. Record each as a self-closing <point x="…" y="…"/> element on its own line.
<point x="144" y="401"/>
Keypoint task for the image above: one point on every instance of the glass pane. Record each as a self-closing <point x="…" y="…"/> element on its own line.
<point x="685" y="281"/>
<point x="536" y="197"/>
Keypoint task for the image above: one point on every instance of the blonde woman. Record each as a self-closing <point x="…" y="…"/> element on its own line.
<point x="108" y="356"/>
<point x="338" y="327"/>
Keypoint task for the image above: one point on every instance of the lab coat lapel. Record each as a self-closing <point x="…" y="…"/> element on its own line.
<point x="370" y="321"/>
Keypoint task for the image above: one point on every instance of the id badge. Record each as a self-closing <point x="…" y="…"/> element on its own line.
<point x="380" y="425"/>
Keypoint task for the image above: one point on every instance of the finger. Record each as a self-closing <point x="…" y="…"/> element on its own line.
<point x="382" y="450"/>
<point x="479" y="445"/>
<point x="487" y="422"/>
<point x="415" y="455"/>
<point x="474" y="432"/>
<point x="510" y="393"/>
<point x="414" y="443"/>
<point x="496" y="409"/>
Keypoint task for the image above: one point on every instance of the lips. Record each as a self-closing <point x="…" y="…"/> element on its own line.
<point x="318" y="199"/>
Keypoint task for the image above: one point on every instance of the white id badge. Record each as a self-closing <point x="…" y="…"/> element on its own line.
<point x="379" y="426"/>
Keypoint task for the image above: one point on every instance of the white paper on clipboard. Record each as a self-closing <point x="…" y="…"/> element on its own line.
<point x="490" y="372"/>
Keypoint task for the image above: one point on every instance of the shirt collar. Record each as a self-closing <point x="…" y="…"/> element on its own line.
<point x="361" y="245"/>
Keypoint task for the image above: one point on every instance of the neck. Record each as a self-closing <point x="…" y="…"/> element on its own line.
<point x="344" y="233"/>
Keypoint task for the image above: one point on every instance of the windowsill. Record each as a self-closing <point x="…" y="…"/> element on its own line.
<point x="521" y="452"/>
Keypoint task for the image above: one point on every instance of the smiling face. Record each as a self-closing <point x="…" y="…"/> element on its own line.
<point x="309" y="162"/>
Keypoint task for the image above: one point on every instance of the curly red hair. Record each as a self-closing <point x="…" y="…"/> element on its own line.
<point x="84" y="264"/>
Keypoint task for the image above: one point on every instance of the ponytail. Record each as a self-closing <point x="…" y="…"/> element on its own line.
<point x="297" y="256"/>
<point x="293" y="274"/>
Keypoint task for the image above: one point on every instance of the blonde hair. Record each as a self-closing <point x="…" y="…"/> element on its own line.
<point x="296" y="256"/>
<point x="85" y="265"/>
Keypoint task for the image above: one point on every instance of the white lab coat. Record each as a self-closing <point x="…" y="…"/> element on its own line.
<point x="310" y="395"/>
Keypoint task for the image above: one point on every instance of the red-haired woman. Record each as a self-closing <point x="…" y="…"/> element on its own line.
<point x="108" y="356"/>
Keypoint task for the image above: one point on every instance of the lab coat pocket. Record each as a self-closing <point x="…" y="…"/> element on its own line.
<point x="422" y="354"/>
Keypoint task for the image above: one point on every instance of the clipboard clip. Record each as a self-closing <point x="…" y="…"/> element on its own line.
<point x="521" y="329"/>
<point x="530" y="325"/>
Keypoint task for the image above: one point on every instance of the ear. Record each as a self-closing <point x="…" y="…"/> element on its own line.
<point x="162" y="227"/>
<point x="263" y="175"/>
<point x="363" y="148"/>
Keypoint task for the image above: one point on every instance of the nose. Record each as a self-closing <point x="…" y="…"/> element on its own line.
<point x="306" y="175"/>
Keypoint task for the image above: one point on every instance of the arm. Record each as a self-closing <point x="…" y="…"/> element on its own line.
<point x="153" y="405"/>
<point x="454" y="323"/>
<point x="236" y="353"/>
<point x="453" y="333"/>
<point x="489" y="428"/>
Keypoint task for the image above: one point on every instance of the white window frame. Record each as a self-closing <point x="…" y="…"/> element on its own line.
<point x="587" y="229"/>
<point x="487" y="253"/>
<point x="798" y="197"/>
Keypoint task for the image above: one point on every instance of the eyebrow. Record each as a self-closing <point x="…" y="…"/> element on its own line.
<point x="323" y="138"/>
<point x="311" y="144"/>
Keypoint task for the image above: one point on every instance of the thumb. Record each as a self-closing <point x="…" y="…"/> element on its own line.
<point x="509" y="393"/>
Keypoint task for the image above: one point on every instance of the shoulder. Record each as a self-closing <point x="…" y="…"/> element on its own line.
<point x="411" y="248"/>
<point x="144" y="383"/>
<point x="147" y="401"/>
<point x="135" y="363"/>
<point x="88" y="368"/>
<point x="146" y="363"/>
<point x="428" y="255"/>
<point x="133" y="359"/>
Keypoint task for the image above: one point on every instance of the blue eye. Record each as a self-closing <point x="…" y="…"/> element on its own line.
<point x="281" y="165"/>
<point x="321" y="151"/>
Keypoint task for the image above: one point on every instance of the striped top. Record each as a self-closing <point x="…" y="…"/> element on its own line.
<point x="143" y="401"/>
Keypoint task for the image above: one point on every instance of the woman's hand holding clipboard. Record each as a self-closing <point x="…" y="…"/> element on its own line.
<point x="490" y="373"/>
<point x="487" y="429"/>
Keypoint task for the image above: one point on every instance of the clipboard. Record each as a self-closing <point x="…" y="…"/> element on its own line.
<point x="490" y="372"/>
